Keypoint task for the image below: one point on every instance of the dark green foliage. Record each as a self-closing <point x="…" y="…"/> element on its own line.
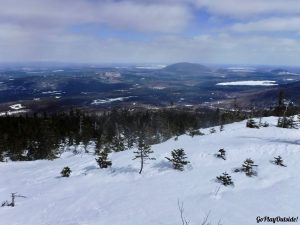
<point x="103" y="161"/>
<point x="279" y="109"/>
<point x="143" y="152"/>
<point x="193" y="133"/>
<point x="278" y="161"/>
<point x="248" y="169"/>
<point x="178" y="159"/>
<point x="221" y="127"/>
<point x="42" y="136"/>
<point x="251" y="123"/>
<point x="225" y="179"/>
<point x="212" y="130"/>
<point x="265" y="124"/>
<point x="66" y="172"/>
<point x="286" y="122"/>
<point x="221" y="154"/>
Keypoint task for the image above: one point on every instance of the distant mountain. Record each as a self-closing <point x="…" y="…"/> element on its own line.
<point x="279" y="71"/>
<point x="188" y="68"/>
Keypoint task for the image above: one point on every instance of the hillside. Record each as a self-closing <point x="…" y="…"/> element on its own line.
<point x="184" y="67"/>
<point x="120" y="196"/>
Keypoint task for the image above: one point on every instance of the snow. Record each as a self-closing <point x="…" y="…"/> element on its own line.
<point x="151" y="67"/>
<point x="249" y="83"/>
<point x="51" y="92"/>
<point x="109" y="100"/>
<point x="120" y="196"/>
<point x="287" y="73"/>
<point x="242" y="69"/>
<point x="15" y="112"/>
<point x="16" y="106"/>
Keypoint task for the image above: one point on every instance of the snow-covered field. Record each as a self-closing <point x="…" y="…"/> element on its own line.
<point x="121" y="196"/>
<point x="109" y="100"/>
<point x="249" y="83"/>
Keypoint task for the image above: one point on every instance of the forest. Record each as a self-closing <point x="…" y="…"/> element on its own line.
<point x="45" y="136"/>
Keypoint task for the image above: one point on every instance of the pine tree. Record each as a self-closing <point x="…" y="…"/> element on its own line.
<point x="278" y="161"/>
<point x="247" y="167"/>
<point x="102" y="160"/>
<point x="143" y="153"/>
<point x="221" y="154"/>
<point x="225" y="179"/>
<point x="212" y="130"/>
<point x="251" y="123"/>
<point x="286" y="122"/>
<point x="178" y="159"/>
<point x="66" y="172"/>
<point x="221" y="127"/>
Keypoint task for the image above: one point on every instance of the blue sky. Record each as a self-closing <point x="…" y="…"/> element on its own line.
<point x="151" y="31"/>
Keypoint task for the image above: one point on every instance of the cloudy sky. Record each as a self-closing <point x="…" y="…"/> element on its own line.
<point x="151" y="31"/>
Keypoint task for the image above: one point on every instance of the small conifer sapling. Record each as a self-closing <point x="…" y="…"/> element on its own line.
<point x="221" y="154"/>
<point x="102" y="160"/>
<point x="66" y="172"/>
<point x="225" y="179"/>
<point x="143" y="153"/>
<point x="251" y="123"/>
<point x="247" y="167"/>
<point x="278" y="161"/>
<point x="178" y="159"/>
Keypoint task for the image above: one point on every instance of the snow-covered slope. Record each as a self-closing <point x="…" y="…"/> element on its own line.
<point x="120" y="196"/>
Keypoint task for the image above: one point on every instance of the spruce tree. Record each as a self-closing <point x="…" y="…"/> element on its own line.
<point x="143" y="152"/>
<point x="247" y="167"/>
<point x="66" y="172"/>
<point x="102" y="160"/>
<point x="225" y="179"/>
<point x="251" y="123"/>
<point x="279" y="161"/>
<point x="178" y="159"/>
<point x="221" y="154"/>
<point x="221" y="127"/>
<point x="212" y="130"/>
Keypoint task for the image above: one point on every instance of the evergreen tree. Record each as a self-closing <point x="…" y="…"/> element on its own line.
<point x="225" y="179"/>
<point x="279" y="109"/>
<point x="286" y="122"/>
<point x="251" y="123"/>
<point x="247" y="167"/>
<point x="221" y="127"/>
<point x="221" y="154"/>
<point x="143" y="152"/>
<point x="278" y="161"/>
<point x="102" y="160"/>
<point x="212" y="130"/>
<point x="66" y="172"/>
<point x="193" y="133"/>
<point x="178" y="159"/>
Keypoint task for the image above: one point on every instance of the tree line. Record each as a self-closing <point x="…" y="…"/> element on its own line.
<point x="43" y="136"/>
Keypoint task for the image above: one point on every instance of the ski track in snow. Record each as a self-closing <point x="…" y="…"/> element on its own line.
<point x="120" y="196"/>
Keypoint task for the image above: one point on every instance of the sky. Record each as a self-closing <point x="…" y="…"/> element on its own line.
<point x="151" y="31"/>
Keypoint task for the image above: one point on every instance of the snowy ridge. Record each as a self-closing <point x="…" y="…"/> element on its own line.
<point x="120" y="196"/>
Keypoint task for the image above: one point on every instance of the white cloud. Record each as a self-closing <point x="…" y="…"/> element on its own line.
<point x="274" y="24"/>
<point x="37" y="30"/>
<point x="223" y="48"/>
<point x="246" y="8"/>
<point x="154" y="17"/>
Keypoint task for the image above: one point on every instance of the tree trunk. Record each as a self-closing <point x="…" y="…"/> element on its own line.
<point x="142" y="164"/>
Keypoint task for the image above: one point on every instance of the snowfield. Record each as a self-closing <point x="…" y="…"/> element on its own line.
<point x="121" y="196"/>
<point x="249" y="83"/>
<point x="109" y="100"/>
